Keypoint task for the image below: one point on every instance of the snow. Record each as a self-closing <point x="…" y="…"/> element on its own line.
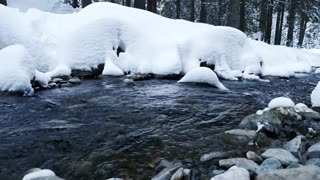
<point x="300" y="107"/>
<point x="280" y="102"/>
<point x="284" y="61"/>
<point x="315" y="96"/>
<point x="84" y="39"/>
<point x="317" y="71"/>
<point x="39" y="174"/>
<point x="15" y="74"/>
<point x="202" y="75"/>
<point x="54" y="6"/>
<point x="259" y="112"/>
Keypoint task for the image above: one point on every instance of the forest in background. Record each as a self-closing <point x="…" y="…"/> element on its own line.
<point x="293" y="23"/>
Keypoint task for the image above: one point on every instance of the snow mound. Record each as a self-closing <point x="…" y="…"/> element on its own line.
<point x="300" y="107"/>
<point x="202" y="75"/>
<point x="280" y="102"/>
<point x="315" y="96"/>
<point x="115" y="35"/>
<point x="40" y="174"/>
<point x="15" y="74"/>
<point x="54" y="6"/>
<point x="284" y="61"/>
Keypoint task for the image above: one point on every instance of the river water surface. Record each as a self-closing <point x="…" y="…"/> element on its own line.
<point x="106" y="128"/>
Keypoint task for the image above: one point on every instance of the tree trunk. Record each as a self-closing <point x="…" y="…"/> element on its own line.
<point x="85" y="3"/>
<point x="192" y="11"/>
<point x="291" y="20"/>
<point x="152" y="6"/>
<point x="113" y="1"/>
<point x="140" y="4"/>
<point x="234" y="12"/>
<point x="303" y="26"/>
<point x="203" y="12"/>
<point x="178" y="8"/>
<point x="269" y="22"/>
<point x="279" y="23"/>
<point x="3" y="2"/>
<point x="75" y="4"/>
<point x="128" y="3"/>
<point x="263" y="18"/>
<point x="242" y="26"/>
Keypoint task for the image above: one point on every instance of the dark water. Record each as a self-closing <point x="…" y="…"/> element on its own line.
<point x="105" y="128"/>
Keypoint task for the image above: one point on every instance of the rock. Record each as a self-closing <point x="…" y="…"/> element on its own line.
<point x="254" y="157"/>
<point x="274" y="117"/>
<point x="75" y="80"/>
<point x="296" y="145"/>
<point x="217" y="172"/>
<point x="178" y="175"/>
<point x="314" y="161"/>
<point x="269" y="165"/>
<point x="315" y="116"/>
<point x="239" y="136"/>
<point x="114" y="179"/>
<point x="84" y="169"/>
<point x="186" y="174"/>
<point x="294" y="165"/>
<point x="233" y="173"/>
<point x="92" y="73"/>
<point x="240" y="162"/>
<point x="141" y="77"/>
<point x="128" y="81"/>
<point x="301" y="173"/>
<point x="314" y="151"/>
<point x="167" y="172"/>
<point x="213" y="155"/>
<point x="284" y="156"/>
<point x="56" y="80"/>
<point x="168" y="76"/>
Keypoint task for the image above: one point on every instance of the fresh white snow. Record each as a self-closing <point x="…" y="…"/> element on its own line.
<point x="58" y="43"/>
<point x="54" y="6"/>
<point x="315" y="96"/>
<point x="202" y="75"/>
<point x="300" y="107"/>
<point x="39" y="174"/>
<point x="280" y="102"/>
<point x="15" y="74"/>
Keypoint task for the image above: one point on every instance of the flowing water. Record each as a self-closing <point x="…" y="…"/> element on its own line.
<point x="106" y="128"/>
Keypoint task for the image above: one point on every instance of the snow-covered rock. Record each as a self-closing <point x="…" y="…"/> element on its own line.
<point x="300" y="107"/>
<point x="37" y="174"/>
<point x="202" y="75"/>
<point x="15" y="70"/>
<point x="315" y="96"/>
<point x="280" y="102"/>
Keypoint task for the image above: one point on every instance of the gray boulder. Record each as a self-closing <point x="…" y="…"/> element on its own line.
<point x="301" y="173"/>
<point x="233" y="173"/>
<point x="314" y="161"/>
<point x="314" y="151"/>
<point x="240" y="162"/>
<point x="167" y="172"/>
<point x="213" y="155"/>
<point x="239" y="136"/>
<point x="296" y="145"/>
<point x="284" y="156"/>
<point x="269" y="165"/>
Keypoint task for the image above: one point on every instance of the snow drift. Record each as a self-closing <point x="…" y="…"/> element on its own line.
<point x="136" y="41"/>
<point x="315" y="96"/>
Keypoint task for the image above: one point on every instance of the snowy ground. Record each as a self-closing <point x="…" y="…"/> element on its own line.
<point x="57" y="43"/>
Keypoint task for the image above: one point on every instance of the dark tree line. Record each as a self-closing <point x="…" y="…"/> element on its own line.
<point x="279" y="22"/>
<point x="3" y="2"/>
